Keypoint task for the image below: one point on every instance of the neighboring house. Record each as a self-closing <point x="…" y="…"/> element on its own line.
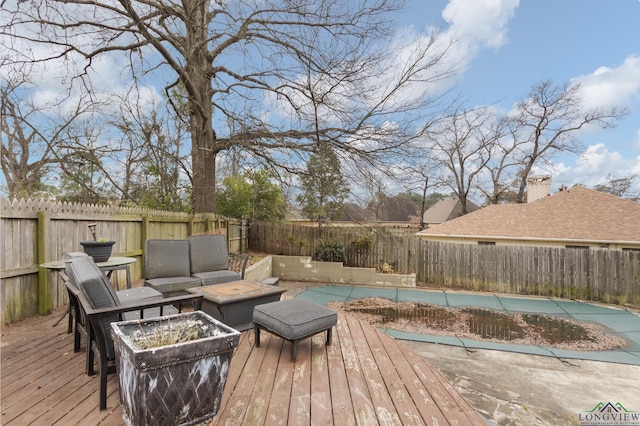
<point x="446" y="209"/>
<point x="573" y="218"/>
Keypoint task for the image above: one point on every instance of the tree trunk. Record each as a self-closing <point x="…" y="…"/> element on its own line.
<point x="424" y="202"/>
<point x="203" y="160"/>
<point x="463" y="204"/>
<point x="198" y="73"/>
<point x="522" y="184"/>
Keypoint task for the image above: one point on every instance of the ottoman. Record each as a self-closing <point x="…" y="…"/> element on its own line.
<point x="293" y="320"/>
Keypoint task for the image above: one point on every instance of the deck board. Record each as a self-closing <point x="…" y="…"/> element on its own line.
<point x="365" y="413"/>
<point x="342" y="407"/>
<point x="363" y="378"/>
<point x="278" y="410"/>
<point x="321" y="407"/>
<point x="380" y="397"/>
<point x="300" y="402"/>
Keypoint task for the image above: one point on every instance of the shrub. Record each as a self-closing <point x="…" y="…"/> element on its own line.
<point x="361" y="244"/>
<point x="330" y="251"/>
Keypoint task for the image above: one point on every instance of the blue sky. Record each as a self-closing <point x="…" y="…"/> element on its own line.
<point x="510" y="45"/>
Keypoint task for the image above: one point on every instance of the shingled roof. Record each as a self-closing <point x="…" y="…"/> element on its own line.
<point x="576" y="214"/>
<point x="447" y="209"/>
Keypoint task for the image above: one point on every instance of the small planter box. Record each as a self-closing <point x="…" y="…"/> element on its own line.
<point x="179" y="383"/>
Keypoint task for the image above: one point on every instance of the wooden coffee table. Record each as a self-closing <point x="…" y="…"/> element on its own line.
<point x="233" y="303"/>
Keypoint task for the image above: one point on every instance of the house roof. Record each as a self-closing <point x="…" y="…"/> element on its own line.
<point x="576" y="214"/>
<point x="447" y="209"/>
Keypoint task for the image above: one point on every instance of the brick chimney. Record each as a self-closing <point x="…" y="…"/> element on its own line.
<point x="538" y="187"/>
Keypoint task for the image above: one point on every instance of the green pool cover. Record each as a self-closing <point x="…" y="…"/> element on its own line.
<point x="617" y="321"/>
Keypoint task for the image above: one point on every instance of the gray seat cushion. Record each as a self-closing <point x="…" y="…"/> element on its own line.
<point x="143" y="293"/>
<point x="294" y="318"/>
<point x="172" y="285"/>
<point x="217" y="277"/>
<point x="101" y="294"/>
<point x="150" y="313"/>
<point x="138" y="293"/>
<point x="69" y="271"/>
<point x="208" y="253"/>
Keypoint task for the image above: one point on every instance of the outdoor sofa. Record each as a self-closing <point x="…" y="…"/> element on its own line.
<point x="173" y="266"/>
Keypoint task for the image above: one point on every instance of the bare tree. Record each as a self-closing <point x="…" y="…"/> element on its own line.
<point x="84" y="160"/>
<point x="418" y="177"/>
<point x="31" y="137"/>
<point x="619" y="186"/>
<point x="22" y="167"/>
<point x="501" y="163"/>
<point x="237" y="58"/>
<point x="459" y="143"/>
<point x="545" y="123"/>
<point x="154" y="171"/>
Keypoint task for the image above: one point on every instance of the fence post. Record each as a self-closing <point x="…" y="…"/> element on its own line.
<point x="44" y="291"/>
<point x="243" y="235"/>
<point x="144" y="236"/>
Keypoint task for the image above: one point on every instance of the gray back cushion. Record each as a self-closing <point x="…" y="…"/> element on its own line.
<point x="98" y="290"/>
<point x="73" y="279"/>
<point x="208" y="253"/>
<point x="166" y="258"/>
<point x="93" y="283"/>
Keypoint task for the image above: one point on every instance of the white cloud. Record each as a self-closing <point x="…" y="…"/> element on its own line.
<point x="592" y="167"/>
<point x="480" y="22"/>
<point x="474" y="25"/>
<point x="611" y="87"/>
<point x="52" y="83"/>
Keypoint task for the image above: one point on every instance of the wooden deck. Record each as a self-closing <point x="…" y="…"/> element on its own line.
<point x="365" y="377"/>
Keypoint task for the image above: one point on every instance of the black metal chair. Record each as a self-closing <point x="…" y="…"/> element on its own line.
<point x="76" y="315"/>
<point x="99" y="306"/>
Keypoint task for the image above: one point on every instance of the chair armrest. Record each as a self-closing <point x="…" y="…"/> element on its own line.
<point x="141" y="305"/>
<point x="71" y="288"/>
<point x="238" y="263"/>
<point x="137" y="305"/>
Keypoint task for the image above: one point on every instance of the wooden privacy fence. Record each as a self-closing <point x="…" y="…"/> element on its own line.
<point x="37" y="231"/>
<point x="608" y="276"/>
<point x="34" y="232"/>
<point x="365" y="246"/>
